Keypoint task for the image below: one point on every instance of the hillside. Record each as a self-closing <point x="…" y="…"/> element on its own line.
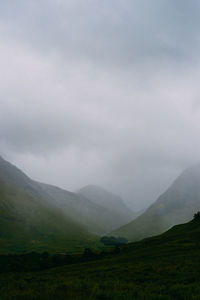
<point x="114" y="212"/>
<point x="165" y="267"/>
<point x="93" y="216"/>
<point x="78" y="207"/>
<point x="26" y="224"/>
<point x="176" y="205"/>
<point x="73" y="206"/>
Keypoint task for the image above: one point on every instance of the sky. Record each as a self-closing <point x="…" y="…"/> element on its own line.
<point x="101" y="92"/>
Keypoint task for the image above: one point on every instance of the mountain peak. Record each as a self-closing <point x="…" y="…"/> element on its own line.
<point x="92" y="187"/>
<point x="99" y="194"/>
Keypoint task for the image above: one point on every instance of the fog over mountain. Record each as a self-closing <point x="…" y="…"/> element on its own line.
<point x="31" y="219"/>
<point x="99" y="213"/>
<point x="101" y="92"/>
<point x="176" y="205"/>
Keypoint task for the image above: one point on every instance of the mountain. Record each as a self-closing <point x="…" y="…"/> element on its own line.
<point x="73" y="206"/>
<point x="176" y="205"/>
<point x="80" y="208"/>
<point x="27" y="224"/>
<point x="114" y="212"/>
<point x="87" y="212"/>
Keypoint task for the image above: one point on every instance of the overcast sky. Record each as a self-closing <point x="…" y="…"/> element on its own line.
<point x="101" y="91"/>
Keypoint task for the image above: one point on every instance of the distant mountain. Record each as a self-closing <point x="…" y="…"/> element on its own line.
<point x="114" y="212"/>
<point x="176" y="205"/>
<point x="80" y="208"/>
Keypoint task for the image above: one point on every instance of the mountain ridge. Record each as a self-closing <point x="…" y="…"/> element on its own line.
<point x="27" y="224"/>
<point x="176" y="205"/>
<point x="87" y="212"/>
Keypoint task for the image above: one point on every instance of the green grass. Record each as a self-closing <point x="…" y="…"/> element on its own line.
<point x="166" y="267"/>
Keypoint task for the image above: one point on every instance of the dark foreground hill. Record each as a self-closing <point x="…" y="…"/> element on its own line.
<point x="177" y="205"/>
<point x="165" y="267"/>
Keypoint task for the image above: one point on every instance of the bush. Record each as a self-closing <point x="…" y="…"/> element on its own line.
<point x="197" y="216"/>
<point x="113" y="241"/>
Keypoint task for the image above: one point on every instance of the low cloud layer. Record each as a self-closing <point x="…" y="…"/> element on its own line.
<point x="101" y="92"/>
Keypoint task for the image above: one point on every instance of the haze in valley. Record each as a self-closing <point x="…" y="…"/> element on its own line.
<point x="101" y="92"/>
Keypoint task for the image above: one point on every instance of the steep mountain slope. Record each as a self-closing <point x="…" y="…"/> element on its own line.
<point x="176" y="205"/>
<point x="80" y="208"/>
<point x="27" y="224"/>
<point x="90" y="214"/>
<point x="75" y="206"/>
<point x="114" y="211"/>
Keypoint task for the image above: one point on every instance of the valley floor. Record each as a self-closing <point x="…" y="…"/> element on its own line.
<point x="145" y="270"/>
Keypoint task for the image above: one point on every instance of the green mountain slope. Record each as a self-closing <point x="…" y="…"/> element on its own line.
<point x="73" y="206"/>
<point x="93" y="216"/>
<point x="176" y="205"/>
<point x="27" y="224"/>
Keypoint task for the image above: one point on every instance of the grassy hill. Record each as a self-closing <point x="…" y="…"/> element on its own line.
<point x="27" y="224"/>
<point x="165" y="267"/>
<point x="177" y="205"/>
<point x="93" y="215"/>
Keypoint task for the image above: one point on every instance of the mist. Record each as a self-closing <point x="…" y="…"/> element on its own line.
<point x="102" y="93"/>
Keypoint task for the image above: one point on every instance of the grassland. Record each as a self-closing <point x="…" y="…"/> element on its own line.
<point x="163" y="267"/>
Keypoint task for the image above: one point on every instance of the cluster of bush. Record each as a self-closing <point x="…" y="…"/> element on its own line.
<point x="113" y="241"/>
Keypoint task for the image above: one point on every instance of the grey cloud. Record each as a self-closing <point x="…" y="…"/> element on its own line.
<point x="114" y="32"/>
<point x="102" y="92"/>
